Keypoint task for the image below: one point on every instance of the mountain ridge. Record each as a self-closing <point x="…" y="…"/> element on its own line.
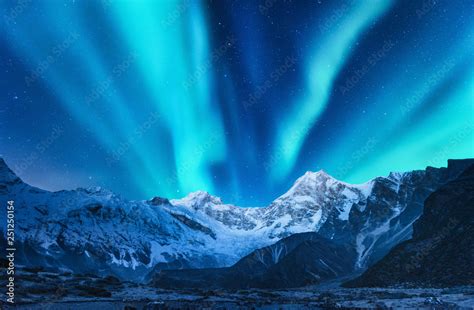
<point x="86" y="230"/>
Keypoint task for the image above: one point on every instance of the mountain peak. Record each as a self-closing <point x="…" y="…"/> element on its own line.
<point x="311" y="176"/>
<point x="396" y="176"/>
<point x="97" y="191"/>
<point x="309" y="182"/>
<point x="197" y="199"/>
<point x="321" y="173"/>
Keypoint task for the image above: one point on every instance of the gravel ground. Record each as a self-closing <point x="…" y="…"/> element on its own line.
<point x="37" y="289"/>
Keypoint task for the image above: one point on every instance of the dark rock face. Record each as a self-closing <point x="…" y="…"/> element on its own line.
<point x="312" y="262"/>
<point x="156" y="201"/>
<point x="295" y="261"/>
<point x="441" y="252"/>
<point x="396" y="202"/>
<point x="193" y="224"/>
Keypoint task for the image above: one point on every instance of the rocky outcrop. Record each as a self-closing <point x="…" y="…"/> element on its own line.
<point x="441" y="252"/>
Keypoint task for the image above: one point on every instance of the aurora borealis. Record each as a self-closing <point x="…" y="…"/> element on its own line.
<point x="238" y="98"/>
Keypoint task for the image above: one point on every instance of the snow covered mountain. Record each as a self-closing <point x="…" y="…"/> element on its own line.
<point x="94" y="230"/>
<point x="305" y="207"/>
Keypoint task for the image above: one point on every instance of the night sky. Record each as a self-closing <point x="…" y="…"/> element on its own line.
<point x="161" y="98"/>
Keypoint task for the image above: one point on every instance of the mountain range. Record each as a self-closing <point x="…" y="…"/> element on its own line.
<point x="330" y="227"/>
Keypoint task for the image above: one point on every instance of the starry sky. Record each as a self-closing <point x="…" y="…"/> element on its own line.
<point x="237" y="98"/>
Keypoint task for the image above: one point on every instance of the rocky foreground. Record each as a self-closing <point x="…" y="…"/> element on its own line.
<point x="43" y="289"/>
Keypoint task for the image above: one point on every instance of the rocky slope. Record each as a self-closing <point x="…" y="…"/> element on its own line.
<point x="94" y="230"/>
<point x="295" y="261"/>
<point x="441" y="252"/>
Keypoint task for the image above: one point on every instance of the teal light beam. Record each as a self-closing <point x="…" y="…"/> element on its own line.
<point x="178" y="83"/>
<point x="326" y="61"/>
